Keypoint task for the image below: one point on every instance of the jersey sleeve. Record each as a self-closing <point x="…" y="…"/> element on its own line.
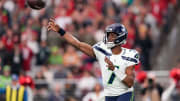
<point x="96" y="52"/>
<point x="133" y="59"/>
<point x="100" y="52"/>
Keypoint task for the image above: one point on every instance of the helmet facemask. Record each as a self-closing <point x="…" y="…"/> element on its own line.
<point x="107" y="43"/>
<point x="119" y="40"/>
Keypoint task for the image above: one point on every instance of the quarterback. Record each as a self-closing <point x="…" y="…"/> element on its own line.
<point x="117" y="63"/>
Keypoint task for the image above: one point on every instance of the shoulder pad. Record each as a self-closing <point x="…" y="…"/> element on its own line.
<point x="131" y="55"/>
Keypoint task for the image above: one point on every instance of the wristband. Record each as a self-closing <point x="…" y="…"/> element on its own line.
<point x="62" y="32"/>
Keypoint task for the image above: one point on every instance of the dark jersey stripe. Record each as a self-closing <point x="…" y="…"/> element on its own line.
<point x="129" y="59"/>
<point x="102" y="51"/>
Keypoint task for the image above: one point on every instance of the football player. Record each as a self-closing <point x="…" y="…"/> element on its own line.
<point x="117" y="63"/>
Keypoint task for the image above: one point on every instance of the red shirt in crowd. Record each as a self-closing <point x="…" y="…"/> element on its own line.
<point x="26" y="81"/>
<point x="159" y="8"/>
<point x="8" y="43"/>
<point x="21" y="4"/>
<point x="27" y="57"/>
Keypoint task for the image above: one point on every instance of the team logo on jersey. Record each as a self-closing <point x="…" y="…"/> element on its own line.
<point x="113" y="76"/>
<point x="137" y="56"/>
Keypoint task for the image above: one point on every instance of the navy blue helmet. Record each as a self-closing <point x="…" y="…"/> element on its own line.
<point x="120" y="31"/>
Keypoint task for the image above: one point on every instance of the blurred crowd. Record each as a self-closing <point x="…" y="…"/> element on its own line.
<point x="148" y="88"/>
<point x="32" y="53"/>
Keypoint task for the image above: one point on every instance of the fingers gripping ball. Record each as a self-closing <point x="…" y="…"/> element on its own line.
<point x="36" y="4"/>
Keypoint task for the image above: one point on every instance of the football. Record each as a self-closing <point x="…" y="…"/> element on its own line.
<point x="36" y="4"/>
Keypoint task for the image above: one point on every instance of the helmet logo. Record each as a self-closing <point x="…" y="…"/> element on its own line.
<point x="123" y="29"/>
<point x="110" y="29"/>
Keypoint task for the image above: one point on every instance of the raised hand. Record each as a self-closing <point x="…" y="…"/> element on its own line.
<point x="52" y="25"/>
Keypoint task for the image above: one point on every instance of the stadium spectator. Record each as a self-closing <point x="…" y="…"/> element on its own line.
<point x="151" y="90"/>
<point x="173" y="91"/>
<point x="71" y="99"/>
<point x="47" y="72"/>
<point x="43" y="54"/>
<point x="55" y="57"/>
<point x="87" y="78"/>
<point x="145" y="43"/>
<point x="8" y="41"/>
<point x="41" y="93"/>
<point x="26" y="80"/>
<point x="0" y="65"/>
<point x="70" y="57"/>
<point x="70" y="88"/>
<point x="3" y="54"/>
<point x="27" y="55"/>
<point x="17" y="60"/>
<point x="9" y="5"/>
<point x="60" y="73"/>
<point x="89" y="29"/>
<point x="6" y="77"/>
<point x="128" y="22"/>
<point x="40" y="76"/>
<point x="56" y="95"/>
<point x="43" y="35"/>
<point x="109" y="9"/>
<point x="5" y="17"/>
<point x="61" y="18"/>
<point x="14" y="90"/>
<point x="31" y="37"/>
<point x="29" y="85"/>
<point x="96" y="95"/>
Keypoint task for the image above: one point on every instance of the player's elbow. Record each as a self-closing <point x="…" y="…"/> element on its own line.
<point x="129" y="84"/>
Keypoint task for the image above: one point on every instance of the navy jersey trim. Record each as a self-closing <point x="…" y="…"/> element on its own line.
<point x="102" y="51"/>
<point x="129" y="59"/>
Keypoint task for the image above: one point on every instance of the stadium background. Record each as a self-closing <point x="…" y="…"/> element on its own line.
<point x="60" y="72"/>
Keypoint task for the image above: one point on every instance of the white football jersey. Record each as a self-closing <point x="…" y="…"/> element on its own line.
<point x="113" y="86"/>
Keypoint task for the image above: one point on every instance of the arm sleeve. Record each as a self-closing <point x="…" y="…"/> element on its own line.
<point x="98" y="53"/>
<point x="101" y="51"/>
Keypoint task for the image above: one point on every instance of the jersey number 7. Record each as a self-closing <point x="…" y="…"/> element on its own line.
<point x="112" y="77"/>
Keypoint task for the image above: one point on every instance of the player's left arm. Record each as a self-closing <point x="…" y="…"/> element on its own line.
<point x="129" y="76"/>
<point x="129" y="71"/>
